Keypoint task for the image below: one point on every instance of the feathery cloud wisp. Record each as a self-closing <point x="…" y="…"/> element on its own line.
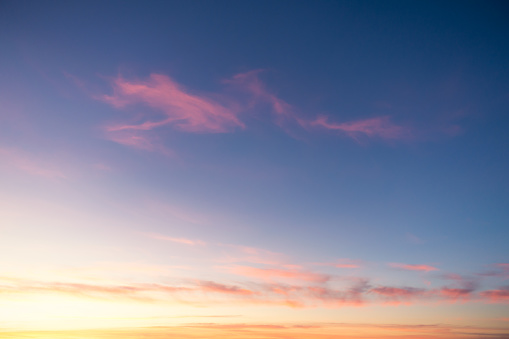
<point x="423" y="268"/>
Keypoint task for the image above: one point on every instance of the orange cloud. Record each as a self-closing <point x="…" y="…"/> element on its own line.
<point x="424" y="268"/>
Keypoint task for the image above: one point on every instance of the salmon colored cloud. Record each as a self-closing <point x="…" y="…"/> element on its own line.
<point x="500" y="295"/>
<point x="397" y="295"/>
<point x="456" y="293"/>
<point x="423" y="268"/>
<point x="210" y="286"/>
<point x="278" y="273"/>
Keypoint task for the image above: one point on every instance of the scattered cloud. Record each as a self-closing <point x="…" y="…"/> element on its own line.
<point x="422" y="268"/>
<point x="168" y="104"/>
<point x="278" y="273"/>
<point x="500" y="295"/>
<point x="396" y="295"/>
<point x="304" y="291"/>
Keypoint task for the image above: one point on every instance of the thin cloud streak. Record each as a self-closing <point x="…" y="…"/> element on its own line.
<point x="422" y="268"/>
<point x="27" y="163"/>
<point x="378" y="127"/>
<point x="307" y="292"/>
<point x="184" y="241"/>
<point x="278" y="273"/>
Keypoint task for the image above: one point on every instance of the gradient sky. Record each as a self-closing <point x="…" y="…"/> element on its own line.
<point x="254" y="169"/>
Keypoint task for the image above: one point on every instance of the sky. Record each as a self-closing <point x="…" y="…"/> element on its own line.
<point x="254" y="169"/>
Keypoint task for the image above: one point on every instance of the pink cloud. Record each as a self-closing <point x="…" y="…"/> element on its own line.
<point x="397" y="295"/>
<point x="279" y="273"/>
<point x="500" y="295"/>
<point x="252" y="255"/>
<point x="185" y="111"/>
<point x="210" y="286"/>
<point x="251" y="83"/>
<point x="177" y="240"/>
<point x="423" y="268"/>
<point x="30" y="164"/>
<point x="503" y="266"/>
<point x="380" y="127"/>
<point x="456" y="293"/>
<point x="137" y="140"/>
<point x="169" y="104"/>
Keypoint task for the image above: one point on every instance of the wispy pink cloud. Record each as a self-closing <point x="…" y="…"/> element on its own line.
<point x="380" y="127"/>
<point x="423" y="268"/>
<point x="184" y="241"/>
<point x="399" y="294"/>
<point x="251" y="83"/>
<point x="30" y="164"/>
<point x="210" y="286"/>
<point x="305" y="293"/>
<point x="500" y="295"/>
<point x="279" y="273"/>
<point x="456" y="293"/>
<point x="167" y="104"/>
<point x="253" y="255"/>
<point x="185" y="111"/>
<point x="138" y="140"/>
